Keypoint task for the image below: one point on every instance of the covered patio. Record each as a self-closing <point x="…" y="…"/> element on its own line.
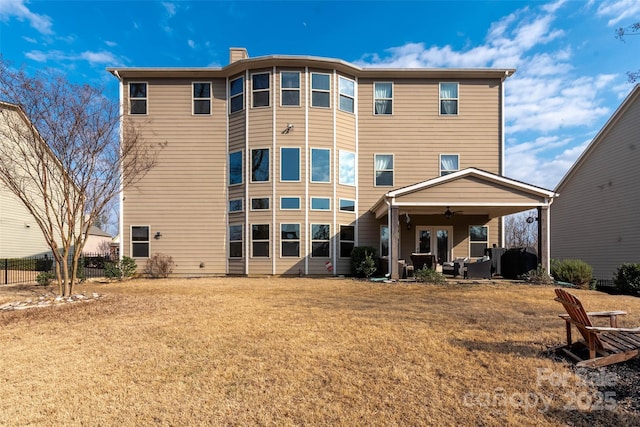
<point x="458" y="215"/>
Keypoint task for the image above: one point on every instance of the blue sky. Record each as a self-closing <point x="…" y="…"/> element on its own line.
<point x="570" y="68"/>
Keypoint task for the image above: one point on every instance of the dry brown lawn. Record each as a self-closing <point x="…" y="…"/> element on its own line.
<point x="248" y="351"/>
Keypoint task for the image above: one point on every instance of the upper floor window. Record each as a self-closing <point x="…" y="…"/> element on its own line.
<point x="448" y="164"/>
<point x="260" y="165"/>
<point x="347" y="205"/>
<point x="347" y="168"/>
<point x="384" y="170"/>
<point x="235" y="205"/>
<point x="478" y="240"/>
<point x="383" y="97"/>
<point x="236" y="95"/>
<point x="449" y="98"/>
<point x="290" y="82"/>
<point x="260" y="90"/>
<point x="320" y="204"/>
<point x="347" y="94"/>
<point x="235" y="168"/>
<point x="320" y="165"/>
<point x="289" y="164"/>
<point x="137" y="98"/>
<point x="259" y="203"/>
<point x="320" y="90"/>
<point x="290" y="203"/>
<point x="202" y="98"/>
<point x="140" y="241"/>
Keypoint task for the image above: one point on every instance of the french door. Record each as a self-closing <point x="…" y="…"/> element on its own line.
<point x="435" y="240"/>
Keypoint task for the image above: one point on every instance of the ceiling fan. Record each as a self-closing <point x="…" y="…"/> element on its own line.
<point x="449" y="213"/>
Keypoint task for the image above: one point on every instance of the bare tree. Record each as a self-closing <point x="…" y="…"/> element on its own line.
<point x="621" y="33"/>
<point x="61" y="155"/>
<point x="520" y="233"/>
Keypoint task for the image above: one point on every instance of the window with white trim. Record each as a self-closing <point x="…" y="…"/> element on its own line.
<point x="347" y="167"/>
<point x="347" y="205"/>
<point x="260" y="240"/>
<point x="236" y="241"/>
<point x="320" y="234"/>
<point x="290" y="203"/>
<point x="236" y="95"/>
<point x="235" y="168"/>
<point x="347" y="89"/>
<point x="478" y="240"/>
<point x="201" y="98"/>
<point x="260" y="89"/>
<point x="290" y="240"/>
<point x="289" y="164"/>
<point x="140" y="241"/>
<point x="290" y="88"/>
<point x="383" y="164"/>
<point x="449" y="163"/>
<point x="320" y="165"/>
<point x="235" y="205"/>
<point x="347" y="240"/>
<point x="260" y="165"/>
<point x="320" y="204"/>
<point x="382" y="98"/>
<point x="384" y="240"/>
<point x="449" y="98"/>
<point x="137" y="98"/>
<point x="320" y="90"/>
<point x="259" y="203"/>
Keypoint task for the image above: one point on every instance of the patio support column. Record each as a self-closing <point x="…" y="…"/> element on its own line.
<point x="543" y="238"/>
<point x="394" y="247"/>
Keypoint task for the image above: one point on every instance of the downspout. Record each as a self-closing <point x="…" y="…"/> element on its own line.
<point x="389" y="262"/>
<point x="121" y="196"/>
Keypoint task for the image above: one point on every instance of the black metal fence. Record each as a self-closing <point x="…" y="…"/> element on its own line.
<point x="26" y="270"/>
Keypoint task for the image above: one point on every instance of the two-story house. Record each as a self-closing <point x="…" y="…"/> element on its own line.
<point x="282" y="164"/>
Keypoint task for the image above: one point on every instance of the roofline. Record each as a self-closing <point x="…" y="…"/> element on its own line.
<point x="615" y="117"/>
<point x="307" y="61"/>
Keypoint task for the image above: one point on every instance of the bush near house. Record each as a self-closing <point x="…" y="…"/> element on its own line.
<point x="159" y="266"/>
<point x="428" y="275"/>
<point x="126" y="267"/>
<point x="627" y="279"/>
<point x="573" y="271"/>
<point x="359" y="255"/>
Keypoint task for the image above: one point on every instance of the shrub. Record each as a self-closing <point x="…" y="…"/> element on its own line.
<point x="368" y="265"/>
<point x="44" y="278"/>
<point x="539" y="276"/>
<point x="359" y="254"/>
<point x="573" y="271"/>
<point x="428" y="275"/>
<point x="126" y="267"/>
<point x="159" y="265"/>
<point x="627" y="279"/>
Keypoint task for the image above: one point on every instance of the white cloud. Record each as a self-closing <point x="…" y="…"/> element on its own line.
<point x="93" y="58"/>
<point x="191" y="43"/>
<point x="29" y="40"/>
<point x="619" y="11"/>
<point x="110" y="43"/>
<point x="18" y="9"/>
<point x="170" y="8"/>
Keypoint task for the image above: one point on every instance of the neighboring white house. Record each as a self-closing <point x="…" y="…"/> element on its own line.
<point x="20" y="236"/>
<point x="98" y="241"/>
<point x="596" y="219"/>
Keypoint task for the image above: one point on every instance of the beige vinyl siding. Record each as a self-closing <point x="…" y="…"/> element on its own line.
<point x="191" y="173"/>
<point x="20" y="236"/>
<point x="595" y="219"/>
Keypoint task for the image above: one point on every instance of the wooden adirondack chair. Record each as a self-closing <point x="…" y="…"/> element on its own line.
<point x="606" y="345"/>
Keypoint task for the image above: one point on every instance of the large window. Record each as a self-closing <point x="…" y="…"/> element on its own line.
<point x="235" y="241"/>
<point x="448" y="98"/>
<point x="260" y="240"/>
<point x="259" y="203"/>
<point x="449" y="163"/>
<point x="320" y="204"/>
<point x="347" y="240"/>
<point x="478" y="240"/>
<point x="320" y="165"/>
<point x="383" y="98"/>
<point x="320" y="240"/>
<point x="290" y="82"/>
<point x="384" y="240"/>
<point x="320" y="90"/>
<point x="236" y="95"/>
<point x="260" y="165"/>
<point x="139" y="241"/>
<point x="202" y="98"/>
<point x="137" y="98"/>
<point x="347" y="168"/>
<point x="235" y="168"/>
<point x="289" y="164"/>
<point x="384" y="170"/>
<point x="290" y="203"/>
<point x="347" y="94"/>
<point x="260" y="90"/>
<point x="290" y="240"/>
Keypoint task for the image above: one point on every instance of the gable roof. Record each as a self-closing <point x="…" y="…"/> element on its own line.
<point x="633" y="96"/>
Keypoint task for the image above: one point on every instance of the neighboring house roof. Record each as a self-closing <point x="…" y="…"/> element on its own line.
<point x="601" y="136"/>
<point x="95" y="231"/>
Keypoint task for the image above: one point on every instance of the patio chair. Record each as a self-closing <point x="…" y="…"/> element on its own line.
<point x="421" y="260"/>
<point x="455" y="267"/>
<point x="605" y="345"/>
<point x="478" y="270"/>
